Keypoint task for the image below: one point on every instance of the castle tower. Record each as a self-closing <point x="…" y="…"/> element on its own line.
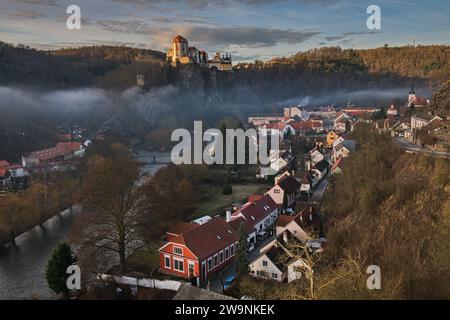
<point x="180" y="48"/>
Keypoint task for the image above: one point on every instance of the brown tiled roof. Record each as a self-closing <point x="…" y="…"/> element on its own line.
<point x="283" y="220"/>
<point x="209" y="238"/>
<point x="60" y="150"/>
<point x="236" y="223"/>
<point x="254" y="197"/>
<point x="181" y="227"/>
<point x="4" y="163"/>
<point x="256" y="211"/>
<point x="289" y="184"/>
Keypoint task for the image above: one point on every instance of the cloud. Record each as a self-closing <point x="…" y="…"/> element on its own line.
<point x="199" y="4"/>
<point x="23" y="15"/>
<point x="360" y="32"/>
<point x="253" y="37"/>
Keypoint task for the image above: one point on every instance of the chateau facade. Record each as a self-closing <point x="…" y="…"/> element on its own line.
<point x="181" y="53"/>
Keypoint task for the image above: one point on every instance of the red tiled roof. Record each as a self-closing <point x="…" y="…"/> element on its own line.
<point x="283" y="220"/>
<point x="419" y="101"/>
<point x="181" y="227"/>
<point x="337" y="164"/>
<point x="256" y="211"/>
<point x="236" y="223"/>
<point x="4" y="163"/>
<point x="60" y="150"/>
<point x="277" y="125"/>
<point x="3" y="171"/>
<point x="207" y="239"/>
<point x="289" y="184"/>
<point x="301" y="125"/>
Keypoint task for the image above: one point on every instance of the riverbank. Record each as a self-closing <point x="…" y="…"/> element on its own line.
<point x="22" y="267"/>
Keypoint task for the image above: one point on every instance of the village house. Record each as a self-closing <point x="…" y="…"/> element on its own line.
<point x="359" y="111"/>
<point x="278" y="128"/>
<point x="332" y="136"/>
<point x="417" y="122"/>
<point x="264" y="119"/>
<point x="286" y="191"/>
<point x="337" y="166"/>
<point x="62" y="152"/>
<point x="306" y="184"/>
<point x="302" y="226"/>
<point x="315" y="155"/>
<point x="416" y="101"/>
<point x="319" y="171"/>
<point x="12" y="176"/>
<point x="280" y="160"/>
<point x="343" y="149"/>
<point x="342" y="122"/>
<point x="259" y="215"/>
<point x="196" y="252"/>
<point x="392" y="111"/>
<point x="277" y="263"/>
<point x="292" y="112"/>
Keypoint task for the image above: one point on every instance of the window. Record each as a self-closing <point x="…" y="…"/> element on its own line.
<point x="178" y="265"/>
<point x="221" y="256"/>
<point x="210" y="264"/>
<point x="276" y="191"/>
<point x="178" y="250"/>
<point x="264" y="263"/>
<point x="167" y="262"/>
<point x="216" y="260"/>
<point x="231" y="250"/>
<point x="226" y="253"/>
<point x="274" y="275"/>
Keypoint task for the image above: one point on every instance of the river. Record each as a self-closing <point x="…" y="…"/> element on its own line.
<point x="22" y="267"/>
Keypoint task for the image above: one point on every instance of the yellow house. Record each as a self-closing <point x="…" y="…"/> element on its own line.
<point x="332" y="136"/>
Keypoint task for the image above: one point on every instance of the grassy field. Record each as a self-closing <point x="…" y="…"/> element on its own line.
<point x="211" y="200"/>
<point x="144" y="260"/>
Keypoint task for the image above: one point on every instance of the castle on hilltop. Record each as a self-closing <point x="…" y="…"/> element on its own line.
<point x="181" y="53"/>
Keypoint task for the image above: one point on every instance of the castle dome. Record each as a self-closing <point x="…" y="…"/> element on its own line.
<point x="179" y="39"/>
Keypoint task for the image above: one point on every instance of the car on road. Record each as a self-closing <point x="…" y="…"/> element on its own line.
<point x="289" y="211"/>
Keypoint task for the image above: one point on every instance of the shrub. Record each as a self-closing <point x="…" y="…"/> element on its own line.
<point x="227" y="189"/>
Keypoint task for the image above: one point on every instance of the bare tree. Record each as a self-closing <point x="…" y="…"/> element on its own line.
<point x="114" y="203"/>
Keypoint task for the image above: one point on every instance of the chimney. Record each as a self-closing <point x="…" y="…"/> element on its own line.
<point x="228" y="216"/>
<point x="285" y="237"/>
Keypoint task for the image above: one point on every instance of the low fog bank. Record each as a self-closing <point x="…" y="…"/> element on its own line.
<point x="134" y="113"/>
<point x="372" y="97"/>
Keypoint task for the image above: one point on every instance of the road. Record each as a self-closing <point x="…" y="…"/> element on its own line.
<point x="319" y="190"/>
<point x="409" y="146"/>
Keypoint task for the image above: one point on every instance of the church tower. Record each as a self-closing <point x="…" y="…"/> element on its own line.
<point x="411" y="96"/>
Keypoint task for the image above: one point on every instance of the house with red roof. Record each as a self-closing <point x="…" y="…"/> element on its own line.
<point x="259" y="215"/>
<point x="63" y="151"/>
<point x="11" y="175"/>
<point x="196" y="252"/>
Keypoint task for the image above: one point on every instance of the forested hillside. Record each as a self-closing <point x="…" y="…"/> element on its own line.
<point x="311" y="72"/>
<point x="65" y="68"/>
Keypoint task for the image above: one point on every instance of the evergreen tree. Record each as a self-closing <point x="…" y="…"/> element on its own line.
<point x="241" y="253"/>
<point x="56" y="271"/>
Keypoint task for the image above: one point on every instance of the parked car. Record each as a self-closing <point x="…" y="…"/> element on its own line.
<point x="229" y="283"/>
<point x="289" y="211"/>
<point x="262" y="235"/>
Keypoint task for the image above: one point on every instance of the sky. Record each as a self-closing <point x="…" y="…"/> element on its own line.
<point x="247" y="29"/>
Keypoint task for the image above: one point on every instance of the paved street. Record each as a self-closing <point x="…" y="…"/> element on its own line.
<point x="319" y="190"/>
<point x="409" y="146"/>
